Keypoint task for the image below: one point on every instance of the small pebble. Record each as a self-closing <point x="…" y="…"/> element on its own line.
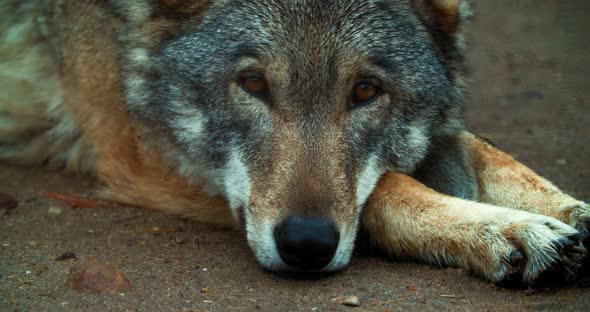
<point x="179" y="240"/>
<point x="42" y="269"/>
<point x="205" y="290"/>
<point x="561" y="161"/>
<point x="66" y="256"/>
<point x="98" y="277"/>
<point x="8" y="201"/>
<point x="55" y="210"/>
<point x="351" y="301"/>
<point x="535" y="95"/>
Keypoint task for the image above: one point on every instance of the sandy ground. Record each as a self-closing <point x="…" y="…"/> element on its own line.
<point x="530" y="94"/>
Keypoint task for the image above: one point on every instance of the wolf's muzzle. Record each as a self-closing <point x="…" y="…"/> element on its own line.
<point x="307" y="243"/>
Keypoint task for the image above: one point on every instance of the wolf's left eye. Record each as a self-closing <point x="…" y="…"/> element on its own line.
<point x="254" y="85"/>
<point x="364" y="93"/>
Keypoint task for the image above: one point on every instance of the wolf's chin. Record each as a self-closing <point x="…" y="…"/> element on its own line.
<point x="261" y="242"/>
<point x="345" y="247"/>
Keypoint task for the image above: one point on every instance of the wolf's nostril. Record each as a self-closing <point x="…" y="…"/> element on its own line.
<point x="307" y="243"/>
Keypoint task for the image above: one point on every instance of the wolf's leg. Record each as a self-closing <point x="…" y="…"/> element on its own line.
<point x="503" y="181"/>
<point x="409" y="220"/>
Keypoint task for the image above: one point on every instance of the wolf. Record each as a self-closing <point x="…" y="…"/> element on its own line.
<point x="304" y="121"/>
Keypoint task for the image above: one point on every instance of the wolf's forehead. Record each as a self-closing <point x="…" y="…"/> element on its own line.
<point x="335" y="24"/>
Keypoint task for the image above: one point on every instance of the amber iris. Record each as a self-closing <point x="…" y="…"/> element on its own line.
<point x="364" y="93"/>
<point x="253" y="84"/>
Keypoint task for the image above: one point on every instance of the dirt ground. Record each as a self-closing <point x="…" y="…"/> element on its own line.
<point x="530" y="94"/>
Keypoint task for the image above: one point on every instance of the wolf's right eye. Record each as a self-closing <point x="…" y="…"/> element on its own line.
<point x="254" y="85"/>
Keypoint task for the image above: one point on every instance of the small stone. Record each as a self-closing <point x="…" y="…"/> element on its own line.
<point x="351" y="301"/>
<point x="205" y="290"/>
<point x="561" y="161"/>
<point x="66" y="256"/>
<point x="98" y="277"/>
<point x="535" y="95"/>
<point x="8" y="201"/>
<point x="55" y="210"/>
<point x="179" y="240"/>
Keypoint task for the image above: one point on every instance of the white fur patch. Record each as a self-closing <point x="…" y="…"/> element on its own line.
<point x="138" y="11"/>
<point x="417" y="136"/>
<point x="236" y="182"/>
<point x="139" y="55"/>
<point x="345" y="247"/>
<point x="135" y="89"/>
<point x="262" y="242"/>
<point x="191" y="122"/>
<point x="368" y="179"/>
<point x="416" y="146"/>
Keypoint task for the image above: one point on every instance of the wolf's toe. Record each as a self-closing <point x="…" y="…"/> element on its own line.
<point x="515" y="263"/>
<point x="564" y="243"/>
<point x="572" y="257"/>
<point x="516" y="259"/>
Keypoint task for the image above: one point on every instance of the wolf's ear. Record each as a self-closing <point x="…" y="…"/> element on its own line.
<point x="444" y="15"/>
<point x="445" y="19"/>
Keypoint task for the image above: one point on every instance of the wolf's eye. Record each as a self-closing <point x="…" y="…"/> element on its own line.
<point x="364" y="93"/>
<point x="254" y="85"/>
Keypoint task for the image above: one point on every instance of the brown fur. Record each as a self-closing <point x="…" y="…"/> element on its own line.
<point x="505" y="182"/>
<point x="449" y="17"/>
<point x="130" y="171"/>
<point x="408" y="220"/>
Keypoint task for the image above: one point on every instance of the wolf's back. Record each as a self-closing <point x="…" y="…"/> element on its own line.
<point x="34" y="129"/>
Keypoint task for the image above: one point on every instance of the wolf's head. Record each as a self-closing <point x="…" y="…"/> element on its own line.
<point x="293" y="109"/>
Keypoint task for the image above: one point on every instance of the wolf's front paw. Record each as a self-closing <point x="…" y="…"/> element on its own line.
<point x="531" y="244"/>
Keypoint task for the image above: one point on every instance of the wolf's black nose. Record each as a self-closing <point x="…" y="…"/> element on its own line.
<point x="307" y="243"/>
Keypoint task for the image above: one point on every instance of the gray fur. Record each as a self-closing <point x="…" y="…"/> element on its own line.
<point x="194" y="71"/>
<point x="446" y="169"/>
